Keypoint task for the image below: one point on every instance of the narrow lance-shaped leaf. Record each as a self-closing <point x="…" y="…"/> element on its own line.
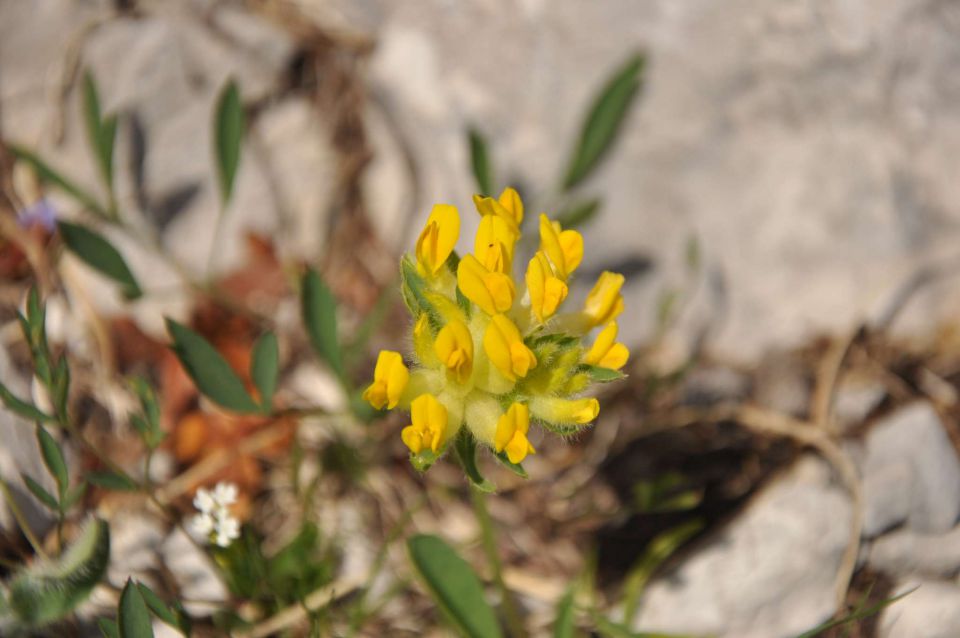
<point x="98" y="253"/>
<point x="53" y="459"/>
<point x="454" y="586"/>
<point x="21" y="407"/>
<point x="209" y="370"/>
<point x="228" y="137"/>
<point x="133" y="617"/>
<point x="564" y="623"/>
<point x="604" y="120"/>
<point x="41" y="493"/>
<point x="466" y="448"/>
<point x="319" y="310"/>
<point x="160" y="608"/>
<point x="264" y="368"/>
<point x="480" y="162"/>
<point x="51" y="176"/>
<point x="579" y="213"/>
<point x="47" y="591"/>
<point x="112" y="481"/>
<point x="100" y="132"/>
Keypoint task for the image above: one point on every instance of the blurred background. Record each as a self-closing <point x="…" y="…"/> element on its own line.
<point x="781" y="195"/>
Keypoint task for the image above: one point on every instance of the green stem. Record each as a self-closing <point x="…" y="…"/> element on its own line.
<point x="512" y="616"/>
<point x="21" y="519"/>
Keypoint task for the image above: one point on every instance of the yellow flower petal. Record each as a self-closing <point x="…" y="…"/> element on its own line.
<point x="490" y="206"/>
<point x="554" y="410"/>
<point x="518" y="448"/>
<point x="492" y="291"/>
<point x="438" y="238"/>
<point x="564" y="248"/>
<point x="494" y="244"/>
<point x="511" y="435"/>
<point x="605" y="352"/>
<point x="390" y="378"/>
<point x="510" y="201"/>
<point x="604" y="302"/>
<point x="429" y="418"/>
<point x="505" y="348"/>
<point x="454" y="347"/>
<point x="547" y="291"/>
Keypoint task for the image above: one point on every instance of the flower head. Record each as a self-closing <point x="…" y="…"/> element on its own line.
<point x="489" y="358"/>
<point x="215" y="522"/>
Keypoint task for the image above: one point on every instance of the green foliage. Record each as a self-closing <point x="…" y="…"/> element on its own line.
<point x="604" y="119"/>
<point x="133" y="617"/>
<point x="319" y="311"/>
<point x="466" y="448"/>
<point x="210" y="371"/>
<point x="98" y="253"/>
<point x="579" y="213"/>
<point x="174" y="616"/>
<point x="112" y="481"/>
<point x="21" y="407"/>
<point x="860" y="613"/>
<point x="41" y="493"/>
<point x="51" y="176"/>
<point x="454" y="586"/>
<point x="228" y="137"/>
<point x="101" y="131"/>
<point x="564" y="624"/>
<point x="659" y="550"/>
<point x="47" y="591"/>
<point x="265" y="368"/>
<point x="516" y="468"/>
<point x="53" y="459"/>
<point x="147" y="423"/>
<point x="602" y="375"/>
<point x="480" y="162"/>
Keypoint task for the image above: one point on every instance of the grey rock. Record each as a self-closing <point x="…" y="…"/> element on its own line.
<point x="854" y="401"/>
<point x="931" y="611"/>
<point x="769" y="573"/>
<point x="807" y="145"/>
<point x="910" y="473"/>
<point x="905" y="552"/>
<point x="782" y="384"/>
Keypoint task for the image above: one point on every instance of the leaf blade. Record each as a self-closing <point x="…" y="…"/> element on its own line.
<point x="228" y="137"/>
<point x="98" y="253"/>
<point x="50" y="175"/>
<point x="605" y="117"/>
<point x="318" y="309"/>
<point x="453" y="585"/>
<point x="133" y="617"/>
<point x="480" y="162"/>
<point x="53" y="459"/>
<point x="209" y="370"/>
<point x="265" y="367"/>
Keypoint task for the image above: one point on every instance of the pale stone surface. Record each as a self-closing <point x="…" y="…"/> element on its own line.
<point x="809" y="145"/>
<point x="931" y="611"/>
<point x="905" y="552"/>
<point x="769" y="573"/>
<point x="911" y="473"/>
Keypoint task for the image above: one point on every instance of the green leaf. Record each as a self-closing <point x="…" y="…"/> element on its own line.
<point x="480" y="162"/>
<point x="414" y="291"/>
<point x="108" y="628"/>
<point x="264" y="368"/>
<point x="112" y="481"/>
<point x="210" y="371"/>
<point x="604" y="120"/>
<point x="516" y="468"/>
<point x="454" y="586"/>
<point x="133" y="618"/>
<point x="99" y="254"/>
<point x="564" y="624"/>
<point x="160" y="608"/>
<point x="659" y="550"/>
<point x="579" y="213"/>
<point x="602" y="375"/>
<point x="47" y="591"/>
<point x="21" y="407"/>
<point x="41" y="494"/>
<point x="319" y="309"/>
<point x="49" y="175"/>
<point x="147" y="425"/>
<point x="100" y="132"/>
<point x="855" y="615"/>
<point x="53" y="459"/>
<point x="60" y="388"/>
<point x="228" y="134"/>
<point x="74" y="495"/>
<point x="466" y="448"/>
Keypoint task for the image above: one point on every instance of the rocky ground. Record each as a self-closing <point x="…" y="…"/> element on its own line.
<point x="807" y="147"/>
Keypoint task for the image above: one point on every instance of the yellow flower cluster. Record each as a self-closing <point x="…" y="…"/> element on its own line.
<point x="488" y="357"/>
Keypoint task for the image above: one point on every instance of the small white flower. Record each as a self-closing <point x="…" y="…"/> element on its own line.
<point x="228" y="530"/>
<point x="202" y="524"/>
<point x="225" y="494"/>
<point x="204" y="501"/>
